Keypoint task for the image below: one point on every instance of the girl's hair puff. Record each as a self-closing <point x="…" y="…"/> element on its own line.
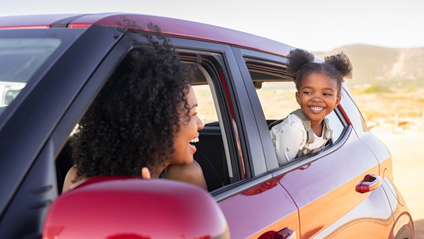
<point x="301" y="63"/>
<point x="342" y="64"/>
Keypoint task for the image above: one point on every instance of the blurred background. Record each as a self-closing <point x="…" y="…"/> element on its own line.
<point x="383" y="38"/>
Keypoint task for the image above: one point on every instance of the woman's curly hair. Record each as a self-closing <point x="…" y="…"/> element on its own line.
<point x="301" y="63"/>
<point x="132" y="122"/>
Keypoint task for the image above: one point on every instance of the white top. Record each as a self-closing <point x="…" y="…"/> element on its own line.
<point x="290" y="136"/>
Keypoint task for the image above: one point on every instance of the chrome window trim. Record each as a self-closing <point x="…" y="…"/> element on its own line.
<point x="242" y="185"/>
<point x="220" y="120"/>
<point x="238" y="187"/>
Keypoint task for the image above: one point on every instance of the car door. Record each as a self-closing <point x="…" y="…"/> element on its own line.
<point x="322" y="185"/>
<point x="253" y="202"/>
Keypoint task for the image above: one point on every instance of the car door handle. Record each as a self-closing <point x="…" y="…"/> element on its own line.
<point x="370" y="182"/>
<point x="286" y="233"/>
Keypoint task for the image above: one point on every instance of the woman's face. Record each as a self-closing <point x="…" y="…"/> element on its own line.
<point x="188" y="134"/>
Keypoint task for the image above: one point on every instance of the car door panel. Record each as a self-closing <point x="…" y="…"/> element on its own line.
<point x="369" y="219"/>
<point x="264" y="208"/>
<point x="329" y="182"/>
<point x="323" y="186"/>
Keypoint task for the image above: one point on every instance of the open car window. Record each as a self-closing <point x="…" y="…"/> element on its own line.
<point x="218" y="141"/>
<point x="216" y="150"/>
<point x="276" y="92"/>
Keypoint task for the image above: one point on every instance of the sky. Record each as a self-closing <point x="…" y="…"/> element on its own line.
<point x="314" y="25"/>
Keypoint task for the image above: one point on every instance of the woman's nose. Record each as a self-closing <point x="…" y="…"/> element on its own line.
<point x="200" y="124"/>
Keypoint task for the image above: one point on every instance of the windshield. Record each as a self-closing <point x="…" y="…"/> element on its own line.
<point x="19" y="60"/>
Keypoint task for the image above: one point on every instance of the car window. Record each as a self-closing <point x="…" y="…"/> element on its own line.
<point x="216" y="142"/>
<point x="207" y="109"/>
<point x="212" y="145"/>
<point x="215" y="148"/>
<point x="276" y="92"/>
<point x="277" y="99"/>
<point x="337" y="125"/>
<point x="19" y="59"/>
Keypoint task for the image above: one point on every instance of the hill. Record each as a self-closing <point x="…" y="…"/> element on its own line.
<point x="387" y="84"/>
<point x="390" y="67"/>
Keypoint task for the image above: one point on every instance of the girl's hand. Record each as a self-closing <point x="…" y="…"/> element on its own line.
<point x="145" y="173"/>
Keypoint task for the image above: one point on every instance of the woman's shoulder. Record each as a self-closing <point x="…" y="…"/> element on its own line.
<point x="70" y="179"/>
<point x="190" y="173"/>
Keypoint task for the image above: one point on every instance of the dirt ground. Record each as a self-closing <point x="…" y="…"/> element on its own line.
<point x="407" y="153"/>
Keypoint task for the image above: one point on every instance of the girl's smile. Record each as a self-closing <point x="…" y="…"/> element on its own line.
<point x="317" y="97"/>
<point x="316" y="109"/>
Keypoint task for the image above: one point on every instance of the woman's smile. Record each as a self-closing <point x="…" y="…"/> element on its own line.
<point x="192" y="142"/>
<point x="188" y="134"/>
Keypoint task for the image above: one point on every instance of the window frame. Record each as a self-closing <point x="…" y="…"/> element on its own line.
<point x="242" y="117"/>
<point x="280" y="61"/>
<point x="209" y="63"/>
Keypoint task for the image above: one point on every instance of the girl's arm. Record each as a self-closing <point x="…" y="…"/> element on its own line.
<point x="288" y="138"/>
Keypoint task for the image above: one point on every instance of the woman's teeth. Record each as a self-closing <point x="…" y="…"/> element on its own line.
<point x="192" y="141"/>
<point x="195" y="140"/>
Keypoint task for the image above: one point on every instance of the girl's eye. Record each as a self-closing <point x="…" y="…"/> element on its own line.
<point x="327" y="94"/>
<point x="307" y="93"/>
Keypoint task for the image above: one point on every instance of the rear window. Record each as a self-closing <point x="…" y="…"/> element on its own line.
<point x="20" y="58"/>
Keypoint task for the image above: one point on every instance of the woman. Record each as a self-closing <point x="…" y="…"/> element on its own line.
<point x="143" y="120"/>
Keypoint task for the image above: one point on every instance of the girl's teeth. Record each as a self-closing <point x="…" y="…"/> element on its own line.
<point x="316" y="108"/>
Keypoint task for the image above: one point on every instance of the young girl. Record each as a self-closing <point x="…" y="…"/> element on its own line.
<point x="318" y="85"/>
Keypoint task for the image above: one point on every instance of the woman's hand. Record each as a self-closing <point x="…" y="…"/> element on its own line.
<point x="145" y="173"/>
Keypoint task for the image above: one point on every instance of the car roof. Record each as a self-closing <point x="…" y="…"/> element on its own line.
<point x="171" y="26"/>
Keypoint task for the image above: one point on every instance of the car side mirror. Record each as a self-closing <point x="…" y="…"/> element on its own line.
<point x="128" y="207"/>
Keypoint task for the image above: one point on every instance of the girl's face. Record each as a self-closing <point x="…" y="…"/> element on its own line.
<point x="317" y="96"/>
<point x="188" y="134"/>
